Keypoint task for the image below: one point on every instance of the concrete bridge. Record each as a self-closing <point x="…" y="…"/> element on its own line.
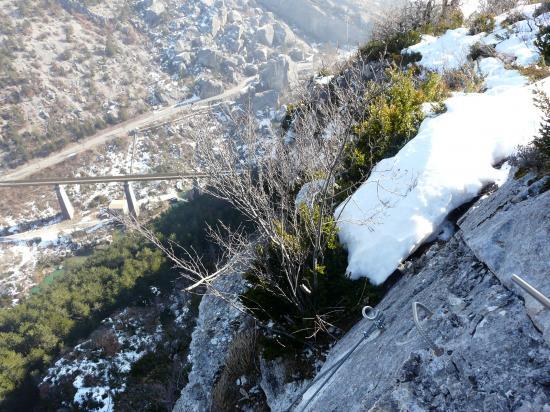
<point x="67" y="209"/>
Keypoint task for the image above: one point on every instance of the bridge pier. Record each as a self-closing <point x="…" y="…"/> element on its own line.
<point x="133" y="206"/>
<point x="67" y="209"/>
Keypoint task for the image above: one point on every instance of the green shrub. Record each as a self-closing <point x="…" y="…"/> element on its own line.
<point x="336" y="301"/>
<point x="392" y="120"/>
<point x="542" y="43"/>
<point x="542" y="141"/>
<point x="536" y="156"/>
<point x="451" y="20"/>
<point x="391" y="47"/>
<point x="482" y="23"/>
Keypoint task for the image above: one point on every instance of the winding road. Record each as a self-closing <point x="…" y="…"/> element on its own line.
<point x="141" y="122"/>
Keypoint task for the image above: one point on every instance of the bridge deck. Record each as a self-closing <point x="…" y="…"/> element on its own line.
<point x="50" y="181"/>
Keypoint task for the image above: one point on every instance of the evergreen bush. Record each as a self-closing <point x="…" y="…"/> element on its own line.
<point x="482" y="23"/>
<point x="392" y="120"/>
<point x="542" y="43"/>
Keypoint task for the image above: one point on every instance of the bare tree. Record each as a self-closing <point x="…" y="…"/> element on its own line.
<point x="413" y="15"/>
<point x="261" y="177"/>
<point x="285" y="185"/>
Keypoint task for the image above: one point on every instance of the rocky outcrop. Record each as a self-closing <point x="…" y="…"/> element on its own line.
<point x="264" y="35"/>
<point x="325" y="20"/>
<point x="75" y="6"/>
<point x="218" y="322"/>
<point x="209" y="58"/>
<point x="493" y="357"/>
<point x="207" y="88"/>
<point x="265" y="100"/>
<point x="278" y="74"/>
<point x="153" y="10"/>
<point x="495" y="231"/>
<point x="490" y="353"/>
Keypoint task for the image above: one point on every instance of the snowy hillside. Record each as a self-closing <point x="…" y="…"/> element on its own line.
<point x="406" y="199"/>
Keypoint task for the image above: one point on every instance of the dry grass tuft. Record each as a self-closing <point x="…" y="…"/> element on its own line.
<point x="241" y="361"/>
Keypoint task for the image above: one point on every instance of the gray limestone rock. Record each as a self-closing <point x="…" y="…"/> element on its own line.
<point x="217" y="323"/>
<point x="208" y="88"/>
<point x="234" y="17"/>
<point x="297" y="54"/>
<point x="259" y="55"/>
<point x="264" y="35"/>
<point x="153" y="10"/>
<point x="490" y="346"/>
<point x="326" y="20"/>
<point x="497" y="229"/>
<point x="283" y="35"/>
<point x="209" y="58"/>
<point x="262" y="100"/>
<point x="250" y="70"/>
<point x="494" y="356"/>
<point x="274" y="382"/>
<point x="278" y="73"/>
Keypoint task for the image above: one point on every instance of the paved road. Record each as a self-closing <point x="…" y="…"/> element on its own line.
<point x="143" y="121"/>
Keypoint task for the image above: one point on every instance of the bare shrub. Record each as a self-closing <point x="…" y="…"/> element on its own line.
<point x="495" y="7"/>
<point x="106" y="340"/>
<point x="513" y="17"/>
<point x="466" y="78"/>
<point x="424" y="15"/>
<point x="534" y="72"/>
<point x="261" y="178"/>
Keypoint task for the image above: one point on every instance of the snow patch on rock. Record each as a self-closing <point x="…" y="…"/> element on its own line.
<point x="408" y="196"/>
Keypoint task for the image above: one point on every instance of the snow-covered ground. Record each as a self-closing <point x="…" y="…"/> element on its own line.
<point x="514" y="43"/>
<point x="407" y="198"/>
<point x="21" y="252"/>
<point x="97" y="368"/>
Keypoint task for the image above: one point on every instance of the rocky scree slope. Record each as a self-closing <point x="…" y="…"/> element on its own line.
<point x="70" y="66"/>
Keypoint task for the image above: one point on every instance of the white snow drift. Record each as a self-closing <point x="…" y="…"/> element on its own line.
<point x="408" y="197"/>
<point x="450" y="51"/>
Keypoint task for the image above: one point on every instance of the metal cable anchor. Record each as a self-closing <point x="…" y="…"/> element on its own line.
<point x="373" y="315"/>
<point x="437" y="350"/>
<point x="368" y="313"/>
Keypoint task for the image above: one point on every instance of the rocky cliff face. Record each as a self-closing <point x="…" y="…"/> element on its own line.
<point x="342" y="22"/>
<point x="217" y="324"/>
<point x="495" y="357"/>
<point x="492" y="340"/>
